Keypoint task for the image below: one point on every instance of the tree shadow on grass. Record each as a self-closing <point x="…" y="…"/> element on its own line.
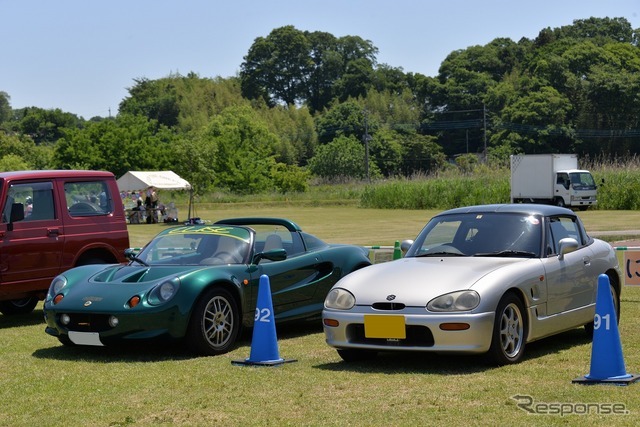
<point x="454" y="364"/>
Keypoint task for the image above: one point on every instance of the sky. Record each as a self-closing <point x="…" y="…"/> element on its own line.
<point x="82" y="55"/>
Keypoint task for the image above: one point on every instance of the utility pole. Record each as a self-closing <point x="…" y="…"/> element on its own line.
<point x="484" y="122"/>
<point x="366" y="138"/>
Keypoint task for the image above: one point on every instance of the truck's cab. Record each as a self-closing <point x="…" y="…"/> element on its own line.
<point x="575" y="188"/>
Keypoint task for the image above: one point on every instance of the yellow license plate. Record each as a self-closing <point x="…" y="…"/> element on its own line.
<point x="384" y="327"/>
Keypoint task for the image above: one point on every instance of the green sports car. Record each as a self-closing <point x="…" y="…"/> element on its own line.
<point x="199" y="283"/>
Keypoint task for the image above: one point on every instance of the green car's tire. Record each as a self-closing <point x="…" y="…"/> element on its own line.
<point x="215" y="323"/>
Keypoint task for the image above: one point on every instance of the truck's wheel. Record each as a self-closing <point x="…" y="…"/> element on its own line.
<point x="560" y="202"/>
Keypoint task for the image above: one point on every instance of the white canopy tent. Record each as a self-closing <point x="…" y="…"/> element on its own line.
<point x="161" y="180"/>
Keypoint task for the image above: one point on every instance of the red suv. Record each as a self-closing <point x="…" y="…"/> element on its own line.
<point x="52" y="221"/>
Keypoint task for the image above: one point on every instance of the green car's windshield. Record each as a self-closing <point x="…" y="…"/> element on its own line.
<point x="198" y="245"/>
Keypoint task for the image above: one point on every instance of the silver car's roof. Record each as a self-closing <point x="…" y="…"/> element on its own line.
<point x="524" y="208"/>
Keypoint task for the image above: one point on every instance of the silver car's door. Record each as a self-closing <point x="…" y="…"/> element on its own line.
<point x="569" y="278"/>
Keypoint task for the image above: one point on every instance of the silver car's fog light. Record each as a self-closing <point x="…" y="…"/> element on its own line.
<point x="113" y="321"/>
<point x="339" y="299"/>
<point x="455" y="301"/>
<point x="65" y="319"/>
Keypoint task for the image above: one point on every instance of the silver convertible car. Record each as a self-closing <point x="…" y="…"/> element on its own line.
<point x="480" y="279"/>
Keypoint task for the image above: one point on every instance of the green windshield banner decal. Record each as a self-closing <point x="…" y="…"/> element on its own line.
<point x="234" y="232"/>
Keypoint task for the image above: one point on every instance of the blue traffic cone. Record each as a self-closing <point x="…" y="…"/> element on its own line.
<point x="607" y="361"/>
<point x="264" y="344"/>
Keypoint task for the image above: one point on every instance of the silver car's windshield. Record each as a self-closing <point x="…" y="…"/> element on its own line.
<point x="480" y="234"/>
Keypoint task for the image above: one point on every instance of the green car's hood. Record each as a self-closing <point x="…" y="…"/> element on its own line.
<point x="139" y="274"/>
<point x="110" y="287"/>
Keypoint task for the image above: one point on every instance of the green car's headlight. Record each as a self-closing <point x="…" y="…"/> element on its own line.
<point x="455" y="301"/>
<point x="164" y="291"/>
<point x="56" y="286"/>
<point x="340" y="299"/>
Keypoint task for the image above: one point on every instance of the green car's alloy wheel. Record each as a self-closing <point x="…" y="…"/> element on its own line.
<point x="509" y="331"/>
<point x="215" y="324"/>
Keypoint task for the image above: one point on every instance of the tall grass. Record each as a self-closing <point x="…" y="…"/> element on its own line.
<point x="618" y="188"/>
<point x="445" y="189"/>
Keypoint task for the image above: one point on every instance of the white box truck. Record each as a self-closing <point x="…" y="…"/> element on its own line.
<point x="551" y="179"/>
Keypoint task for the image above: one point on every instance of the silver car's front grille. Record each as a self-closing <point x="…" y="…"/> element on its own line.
<point x="388" y="306"/>
<point x="417" y="336"/>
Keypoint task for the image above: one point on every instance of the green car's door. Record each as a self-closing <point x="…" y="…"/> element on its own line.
<point x="293" y="281"/>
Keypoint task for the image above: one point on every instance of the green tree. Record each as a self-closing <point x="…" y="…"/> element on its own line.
<point x="296" y="132"/>
<point x="292" y="67"/>
<point x="154" y="99"/>
<point x="193" y="159"/>
<point x="328" y="65"/>
<point x="5" y="107"/>
<point x="119" y="145"/>
<point x="245" y="151"/>
<point x="341" y="159"/>
<point x="44" y="126"/>
<point x="421" y="155"/>
<point x="346" y="118"/>
<point x="23" y="147"/>
<point x="277" y="67"/>
<point x="12" y="162"/>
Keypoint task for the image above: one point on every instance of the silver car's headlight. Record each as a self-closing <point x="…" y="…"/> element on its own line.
<point x="455" y="301"/>
<point x="340" y="299"/>
<point x="164" y="291"/>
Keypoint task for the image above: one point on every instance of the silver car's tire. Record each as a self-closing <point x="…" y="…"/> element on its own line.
<point x="509" y="331"/>
<point x="356" y="355"/>
<point x="215" y="323"/>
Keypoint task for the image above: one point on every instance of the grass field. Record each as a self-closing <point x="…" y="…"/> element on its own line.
<point x="45" y="384"/>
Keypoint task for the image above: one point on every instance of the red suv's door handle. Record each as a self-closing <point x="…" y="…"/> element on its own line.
<point x="53" y="232"/>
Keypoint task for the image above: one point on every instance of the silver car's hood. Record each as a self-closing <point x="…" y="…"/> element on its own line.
<point x="416" y="281"/>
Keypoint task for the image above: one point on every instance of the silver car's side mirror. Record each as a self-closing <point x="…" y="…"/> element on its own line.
<point x="566" y="246"/>
<point x="405" y="245"/>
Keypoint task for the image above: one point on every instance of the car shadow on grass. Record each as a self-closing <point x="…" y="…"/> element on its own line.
<point x="455" y="364"/>
<point x="159" y="351"/>
<point x="36" y="317"/>
<point x="136" y="352"/>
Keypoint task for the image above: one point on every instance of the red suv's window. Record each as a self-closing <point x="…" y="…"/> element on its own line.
<point x="29" y="202"/>
<point x="88" y="198"/>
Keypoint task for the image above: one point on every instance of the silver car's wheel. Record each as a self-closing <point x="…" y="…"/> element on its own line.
<point x="509" y="331"/>
<point x="215" y="323"/>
